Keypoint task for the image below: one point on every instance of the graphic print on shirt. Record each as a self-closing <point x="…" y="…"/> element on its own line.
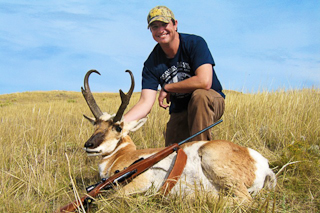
<point x="176" y="74"/>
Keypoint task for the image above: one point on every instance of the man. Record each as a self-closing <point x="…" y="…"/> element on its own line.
<point x="182" y="64"/>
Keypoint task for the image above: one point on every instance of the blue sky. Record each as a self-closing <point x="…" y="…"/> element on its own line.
<point x="257" y="45"/>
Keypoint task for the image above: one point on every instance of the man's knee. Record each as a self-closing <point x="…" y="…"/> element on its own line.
<point x="207" y="101"/>
<point x="199" y="95"/>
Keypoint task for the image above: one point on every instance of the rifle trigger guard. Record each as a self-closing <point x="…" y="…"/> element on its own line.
<point x="87" y="202"/>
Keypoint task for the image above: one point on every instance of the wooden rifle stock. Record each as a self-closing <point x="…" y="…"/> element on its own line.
<point x="129" y="173"/>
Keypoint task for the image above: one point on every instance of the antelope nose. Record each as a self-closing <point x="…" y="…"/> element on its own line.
<point x="94" y="141"/>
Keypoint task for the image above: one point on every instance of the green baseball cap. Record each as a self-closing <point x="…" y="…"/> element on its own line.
<point x="160" y="13"/>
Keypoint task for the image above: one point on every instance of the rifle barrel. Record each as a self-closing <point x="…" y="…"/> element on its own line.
<point x="198" y="133"/>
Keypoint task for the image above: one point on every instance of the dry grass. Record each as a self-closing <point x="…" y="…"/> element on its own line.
<point x="42" y="163"/>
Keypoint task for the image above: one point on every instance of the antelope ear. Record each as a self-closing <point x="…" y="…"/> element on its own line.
<point x="92" y="120"/>
<point x="134" y="125"/>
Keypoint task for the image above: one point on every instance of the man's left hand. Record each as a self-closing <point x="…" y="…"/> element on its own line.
<point x="164" y="96"/>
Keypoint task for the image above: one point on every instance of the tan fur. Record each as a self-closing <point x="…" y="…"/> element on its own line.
<point x="125" y="156"/>
<point x="228" y="165"/>
<point x="102" y="126"/>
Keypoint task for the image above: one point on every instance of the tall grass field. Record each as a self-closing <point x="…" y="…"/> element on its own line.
<point x="43" y="165"/>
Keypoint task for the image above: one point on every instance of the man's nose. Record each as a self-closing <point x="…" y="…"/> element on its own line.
<point x="161" y="29"/>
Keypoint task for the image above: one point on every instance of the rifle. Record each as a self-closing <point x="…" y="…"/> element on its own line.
<point x="127" y="174"/>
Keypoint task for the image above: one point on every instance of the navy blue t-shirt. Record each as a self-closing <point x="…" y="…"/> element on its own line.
<point x="158" y="69"/>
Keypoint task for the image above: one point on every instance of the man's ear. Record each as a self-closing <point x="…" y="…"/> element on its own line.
<point x="92" y="120"/>
<point x="176" y="25"/>
<point x="135" y="125"/>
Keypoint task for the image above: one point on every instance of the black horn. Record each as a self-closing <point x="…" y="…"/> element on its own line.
<point x="86" y="92"/>
<point x="125" y="99"/>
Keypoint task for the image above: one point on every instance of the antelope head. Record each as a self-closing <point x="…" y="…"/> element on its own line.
<point x="108" y="129"/>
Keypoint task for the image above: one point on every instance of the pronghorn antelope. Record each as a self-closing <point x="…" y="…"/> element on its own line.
<point x="211" y="165"/>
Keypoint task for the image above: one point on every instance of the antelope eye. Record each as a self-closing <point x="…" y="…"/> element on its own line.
<point x="118" y="128"/>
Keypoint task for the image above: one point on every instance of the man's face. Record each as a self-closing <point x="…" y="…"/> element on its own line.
<point x="163" y="33"/>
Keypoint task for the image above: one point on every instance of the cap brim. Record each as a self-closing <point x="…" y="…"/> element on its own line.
<point x="159" y="18"/>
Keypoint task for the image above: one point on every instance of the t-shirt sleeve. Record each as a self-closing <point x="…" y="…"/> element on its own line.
<point x="149" y="80"/>
<point x="200" y="53"/>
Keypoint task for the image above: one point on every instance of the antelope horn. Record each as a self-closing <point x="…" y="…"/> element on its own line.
<point x="86" y="92"/>
<point x="125" y="99"/>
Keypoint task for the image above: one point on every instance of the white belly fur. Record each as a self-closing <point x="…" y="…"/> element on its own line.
<point x="192" y="177"/>
<point x="262" y="171"/>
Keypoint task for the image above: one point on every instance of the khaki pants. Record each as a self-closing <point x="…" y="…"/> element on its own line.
<point x="205" y="107"/>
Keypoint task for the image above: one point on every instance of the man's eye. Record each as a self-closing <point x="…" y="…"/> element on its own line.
<point x="164" y="24"/>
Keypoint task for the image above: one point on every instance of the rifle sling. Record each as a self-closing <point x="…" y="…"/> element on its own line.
<point x="175" y="173"/>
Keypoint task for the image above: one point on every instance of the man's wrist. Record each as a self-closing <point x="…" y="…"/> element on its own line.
<point x="163" y="88"/>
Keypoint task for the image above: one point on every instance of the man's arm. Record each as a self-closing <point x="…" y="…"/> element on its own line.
<point x="201" y="80"/>
<point x="143" y="107"/>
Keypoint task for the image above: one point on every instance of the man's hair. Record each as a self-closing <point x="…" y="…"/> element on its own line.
<point x="174" y="23"/>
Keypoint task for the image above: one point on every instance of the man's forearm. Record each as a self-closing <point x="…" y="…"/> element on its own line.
<point x="186" y="86"/>
<point x="202" y="80"/>
<point x="135" y="113"/>
<point x="143" y="107"/>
